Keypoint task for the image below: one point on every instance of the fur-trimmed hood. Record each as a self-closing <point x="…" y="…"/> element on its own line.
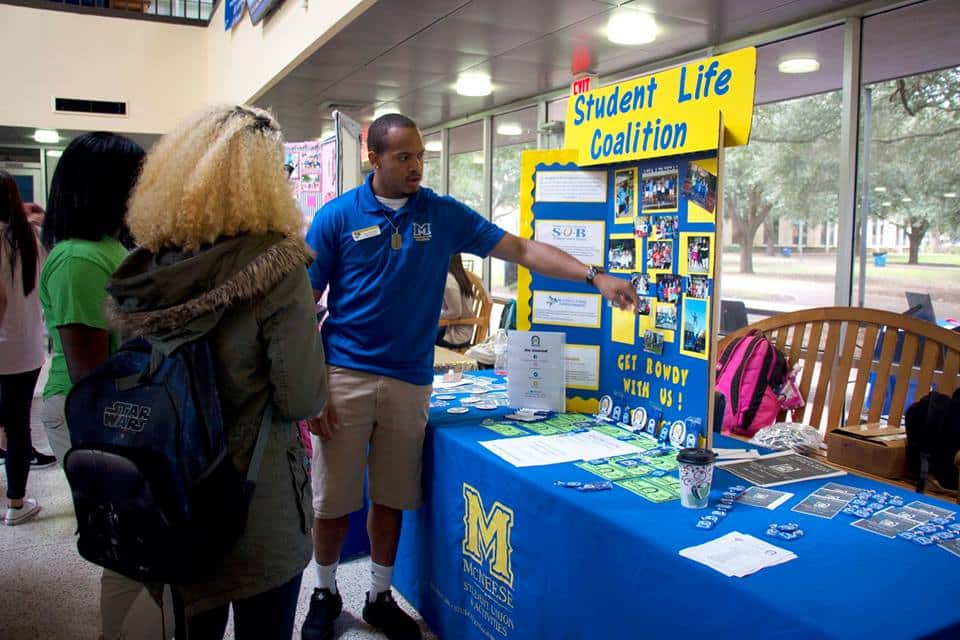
<point x="174" y="296"/>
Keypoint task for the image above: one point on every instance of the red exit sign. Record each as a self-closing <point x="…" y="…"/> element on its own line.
<point x="582" y="85"/>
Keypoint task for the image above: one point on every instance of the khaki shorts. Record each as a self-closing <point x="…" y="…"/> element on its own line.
<point x="385" y="414"/>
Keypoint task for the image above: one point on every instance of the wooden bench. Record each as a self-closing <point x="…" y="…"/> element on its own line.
<point x="847" y="353"/>
<point x="842" y="349"/>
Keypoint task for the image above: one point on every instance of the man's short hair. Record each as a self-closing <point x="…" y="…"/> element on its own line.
<point x="381" y="126"/>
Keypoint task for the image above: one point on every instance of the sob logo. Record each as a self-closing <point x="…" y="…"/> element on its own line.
<point x="569" y="231"/>
<point x="486" y="535"/>
<point x="126" y="416"/>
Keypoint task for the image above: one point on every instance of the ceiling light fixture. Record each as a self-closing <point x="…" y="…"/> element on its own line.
<point x="433" y="145"/>
<point x="631" y="27"/>
<point x="54" y="153"/>
<point x="473" y="84"/>
<point x="509" y="129"/>
<point x="951" y="194"/>
<point x="887" y="204"/>
<point x="46" y="136"/>
<point x="799" y="65"/>
<point x="880" y="189"/>
<point x="906" y="199"/>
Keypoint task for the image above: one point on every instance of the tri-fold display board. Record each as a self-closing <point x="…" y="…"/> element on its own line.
<point x="638" y="191"/>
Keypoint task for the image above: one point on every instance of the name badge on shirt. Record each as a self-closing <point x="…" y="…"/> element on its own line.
<point x="363" y="234"/>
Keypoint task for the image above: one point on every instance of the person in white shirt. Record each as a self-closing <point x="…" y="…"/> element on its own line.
<point x="21" y="343"/>
<point x="457" y="305"/>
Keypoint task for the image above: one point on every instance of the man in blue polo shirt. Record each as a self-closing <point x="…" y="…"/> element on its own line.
<point x="383" y="250"/>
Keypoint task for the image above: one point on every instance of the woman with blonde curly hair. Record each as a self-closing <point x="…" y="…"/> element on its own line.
<point x="220" y="257"/>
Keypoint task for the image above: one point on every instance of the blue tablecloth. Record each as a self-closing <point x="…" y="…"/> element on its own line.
<point x="545" y="562"/>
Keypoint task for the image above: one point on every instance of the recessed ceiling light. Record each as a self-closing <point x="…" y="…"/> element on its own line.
<point x="509" y="129"/>
<point x="631" y="27"/>
<point x="46" y="136"/>
<point x="886" y="203"/>
<point x="54" y="153"/>
<point x="951" y="194"/>
<point x="474" y="84"/>
<point x="880" y="189"/>
<point x="906" y="199"/>
<point x="433" y="145"/>
<point x="799" y="65"/>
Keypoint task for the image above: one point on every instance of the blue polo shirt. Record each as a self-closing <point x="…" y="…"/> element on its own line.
<point x="384" y="304"/>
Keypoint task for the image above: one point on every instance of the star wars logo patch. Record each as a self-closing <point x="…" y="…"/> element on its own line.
<point x="421" y="232"/>
<point x="126" y="416"/>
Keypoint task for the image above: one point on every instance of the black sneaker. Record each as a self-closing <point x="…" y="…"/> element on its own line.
<point x="386" y="615"/>
<point x="41" y="460"/>
<point x="324" y="609"/>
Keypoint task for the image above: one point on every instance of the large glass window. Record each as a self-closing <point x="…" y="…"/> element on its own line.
<point x="431" y="162"/>
<point x="910" y="177"/>
<point x="513" y="133"/>
<point x="781" y="193"/>
<point x="466" y="174"/>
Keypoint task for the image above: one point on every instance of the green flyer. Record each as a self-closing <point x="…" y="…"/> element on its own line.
<point x="506" y="429"/>
<point x="618" y="468"/>
<point x="662" y="489"/>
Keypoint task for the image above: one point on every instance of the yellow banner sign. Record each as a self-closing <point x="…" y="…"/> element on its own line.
<point x="667" y="113"/>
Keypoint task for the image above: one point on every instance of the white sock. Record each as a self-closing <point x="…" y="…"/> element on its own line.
<point x="327" y="576"/>
<point x="380" y="579"/>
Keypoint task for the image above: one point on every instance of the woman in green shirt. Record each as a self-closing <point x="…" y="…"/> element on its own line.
<point x="83" y="230"/>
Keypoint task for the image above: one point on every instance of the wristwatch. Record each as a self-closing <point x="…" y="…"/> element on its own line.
<point x="592" y="273"/>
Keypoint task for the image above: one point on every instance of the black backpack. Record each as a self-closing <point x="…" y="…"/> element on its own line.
<point x="933" y="439"/>
<point x="156" y="493"/>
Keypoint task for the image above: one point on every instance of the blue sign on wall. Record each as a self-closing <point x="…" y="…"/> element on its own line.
<point x="233" y="12"/>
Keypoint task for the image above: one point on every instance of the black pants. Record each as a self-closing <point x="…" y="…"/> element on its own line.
<point x="265" y="616"/>
<point x="449" y="345"/>
<point x="16" y="396"/>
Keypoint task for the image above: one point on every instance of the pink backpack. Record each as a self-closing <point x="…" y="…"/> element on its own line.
<point x="748" y="372"/>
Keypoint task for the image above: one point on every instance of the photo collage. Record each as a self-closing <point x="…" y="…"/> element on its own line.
<point x="669" y="261"/>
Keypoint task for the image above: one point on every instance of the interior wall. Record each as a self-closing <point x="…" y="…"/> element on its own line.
<point x="244" y="62"/>
<point x="159" y="69"/>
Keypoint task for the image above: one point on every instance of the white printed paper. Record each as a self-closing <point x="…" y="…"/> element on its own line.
<point x="535" y="360"/>
<point x="567" y="309"/>
<point x="583" y="366"/>
<point x="737" y="554"/>
<point x="571" y="186"/>
<point x="583" y="239"/>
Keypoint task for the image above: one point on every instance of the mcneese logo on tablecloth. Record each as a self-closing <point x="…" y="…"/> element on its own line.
<point x="488" y="564"/>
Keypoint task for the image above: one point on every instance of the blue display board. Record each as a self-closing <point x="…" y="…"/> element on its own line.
<point x="651" y="222"/>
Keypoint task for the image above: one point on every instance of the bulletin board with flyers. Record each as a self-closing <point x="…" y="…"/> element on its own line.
<point x="650" y="216"/>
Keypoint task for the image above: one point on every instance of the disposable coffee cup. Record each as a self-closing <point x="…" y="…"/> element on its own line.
<point x="696" y="476"/>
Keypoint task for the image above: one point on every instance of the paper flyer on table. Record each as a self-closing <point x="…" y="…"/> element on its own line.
<point x="532" y="451"/>
<point x="738" y="554"/>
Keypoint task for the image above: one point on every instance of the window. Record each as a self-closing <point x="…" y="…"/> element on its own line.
<point x="431" y="162"/>
<point x="466" y="175"/>
<point x="514" y="133"/>
<point x="909" y="179"/>
<point x="781" y="193"/>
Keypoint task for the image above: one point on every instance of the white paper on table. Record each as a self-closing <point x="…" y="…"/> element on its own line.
<point x="735" y="454"/>
<point x="591" y="445"/>
<point x="530" y="451"/>
<point x="738" y="554"/>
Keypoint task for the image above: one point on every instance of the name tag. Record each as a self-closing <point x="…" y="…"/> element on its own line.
<point x="363" y="234"/>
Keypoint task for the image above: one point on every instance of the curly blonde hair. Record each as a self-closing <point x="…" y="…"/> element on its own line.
<point x="220" y="173"/>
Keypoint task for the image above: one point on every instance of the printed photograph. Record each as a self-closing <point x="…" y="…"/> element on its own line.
<point x="645" y="305"/>
<point x="292" y="162"/>
<point x="660" y="189"/>
<point x="641" y="226"/>
<point x="625" y="192"/>
<point x="695" y="317"/>
<point x="668" y="288"/>
<point x="698" y="254"/>
<point x="666" y="317"/>
<point x="665" y="227"/>
<point x="622" y="254"/>
<point x="698" y="287"/>
<point x="701" y="187"/>
<point x="641" y="283"/>
<point x="653" y="342"/>
<point x="660" y="255"/>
